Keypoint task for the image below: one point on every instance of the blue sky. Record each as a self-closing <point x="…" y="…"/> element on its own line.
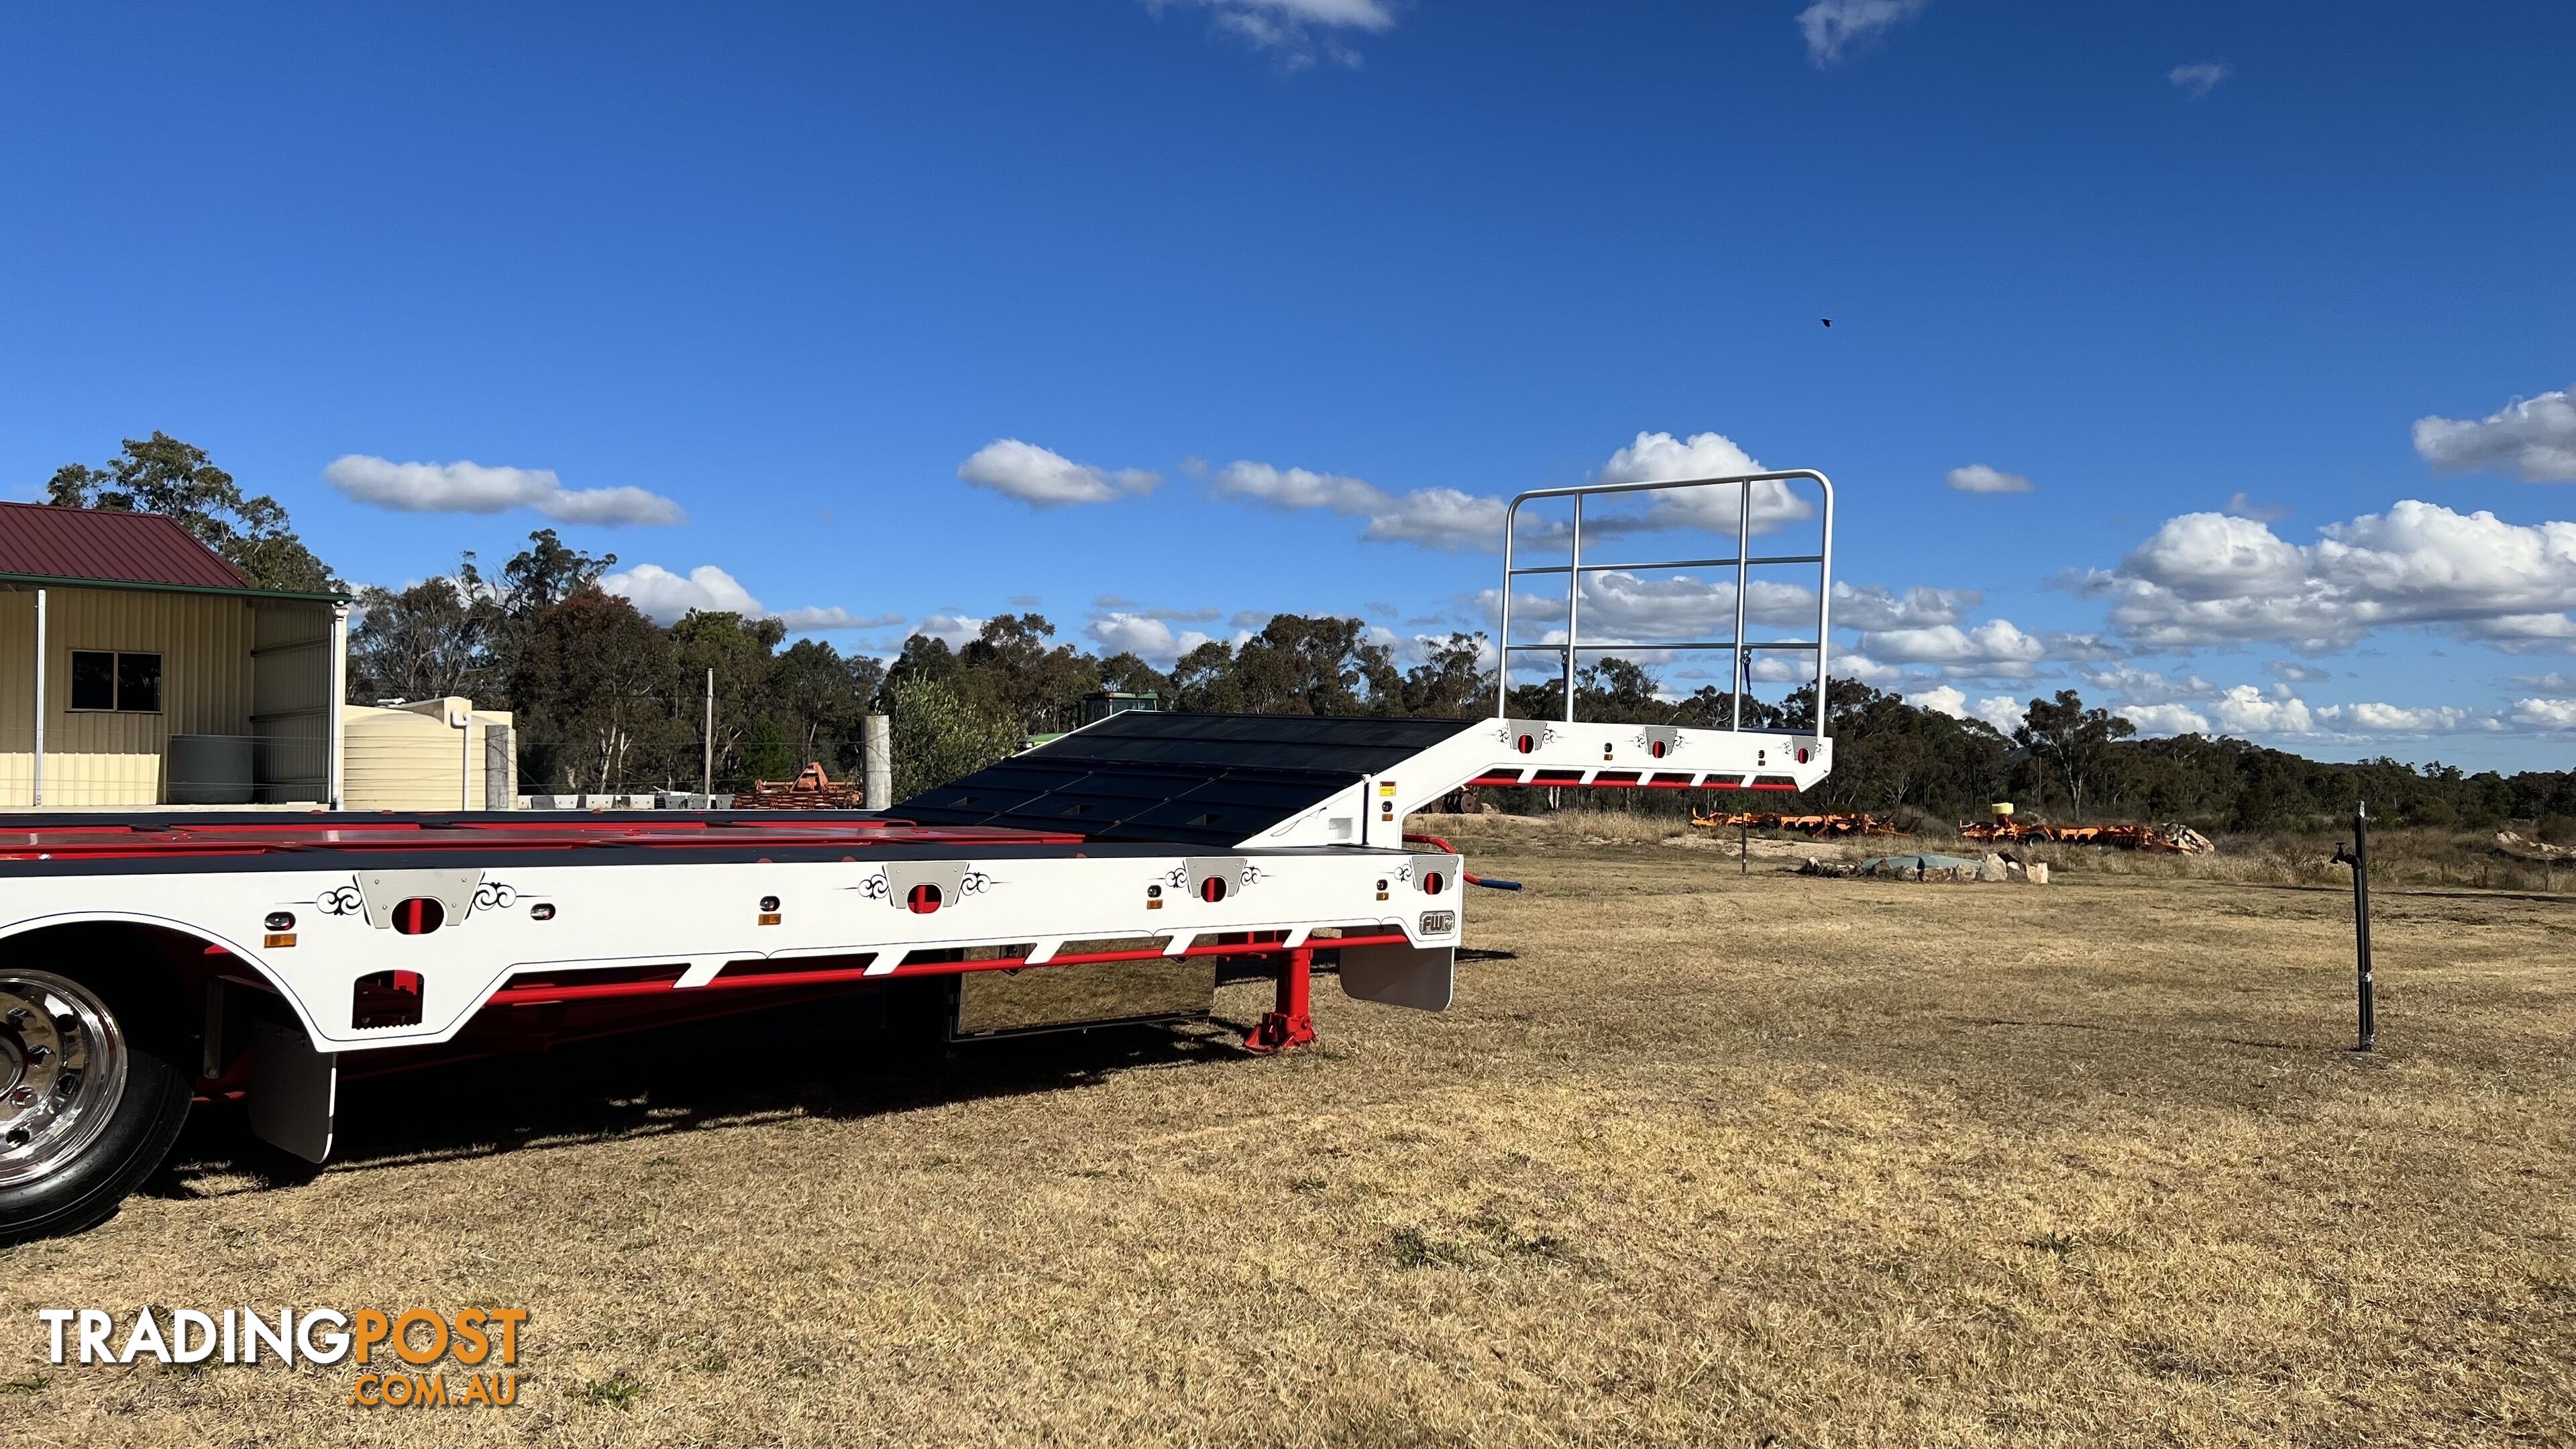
<point x="1276" y="295"/>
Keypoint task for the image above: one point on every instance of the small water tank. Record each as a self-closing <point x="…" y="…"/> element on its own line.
<point x="210" y="769"/>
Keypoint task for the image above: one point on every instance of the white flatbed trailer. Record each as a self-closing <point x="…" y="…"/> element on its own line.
<point x="155" y="960"/>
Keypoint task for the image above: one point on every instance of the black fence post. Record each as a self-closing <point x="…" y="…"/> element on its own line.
<point x="2358" y="857"/>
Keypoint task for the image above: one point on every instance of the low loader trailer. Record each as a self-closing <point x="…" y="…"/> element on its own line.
<point x="152" y="961"/>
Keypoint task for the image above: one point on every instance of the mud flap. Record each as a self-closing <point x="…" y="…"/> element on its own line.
<point x="1418" y="977"/>
<point x="294" y="1091"/>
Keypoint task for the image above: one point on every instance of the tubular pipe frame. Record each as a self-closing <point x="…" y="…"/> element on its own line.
<point x="1575" y="568"/>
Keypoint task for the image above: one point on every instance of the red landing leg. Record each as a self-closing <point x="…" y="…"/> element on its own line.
<point x="1288" y="1027"/>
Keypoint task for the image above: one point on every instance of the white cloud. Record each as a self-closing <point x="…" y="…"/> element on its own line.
<point x="1144" y="636"/>
<point x="2241" y="504"/>
<point x="2534" y="439"/>
<point x="2215" y="556"/>
<point x="2082" y="648"/>
<point x="2295" y="673"/>
<point x="1663" y="458"/>
<point x="824" y="621"/>
<point x="1995" y="649"/>
<point x="1863" y="668"/>
<point x="1875" y="606"/>
<point x="2161" y="706"/>
<point x="1451" y="520"/>
<point x="2246" y="710"/>
<point x="2207" y="580"/>
<point x="1289" y="488"/>
<point x="953" y="630"/>
<point x="1121" y="625"/>
<point x="2003" y="712"/>
<point x="2164" y="719"/>
<point x="1108" y="604"/>
<point x="1834" y="26"/>
<point x="1359" y="14"/>
<point x="2000" y="711"/>
<point x="473" y="488"/>
<point x="1778" y="666"/>
<point x="1044" y="478"/>
<point x="2200" y="79"/>
<point x="1978" y="478"/>
<point x="1298" y="29"/>
<point x="2147" y="686"/>
<point x="2544" y="714"/>
<point x="666" y="597"/>
<point x="2393" y="719"/>
<point x="2550" y="681"/>
<point x="1441" y="518"/>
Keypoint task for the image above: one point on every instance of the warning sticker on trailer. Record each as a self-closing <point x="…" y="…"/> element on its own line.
<point x="1386" y="787"/>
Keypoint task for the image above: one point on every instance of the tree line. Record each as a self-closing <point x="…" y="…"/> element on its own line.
<point x="606" y="700"/>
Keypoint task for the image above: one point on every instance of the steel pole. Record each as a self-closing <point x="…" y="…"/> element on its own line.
<point x="37" y="792"/>
<point x="2358" y="857"/>
<point x="1503" y="627"/>
<point x="1573" y="606"/>
<point x="1743" y="576"/>
<point x="2361" y="920"/>
<point x="335" y="727"/>
<point x="707" y="770"/>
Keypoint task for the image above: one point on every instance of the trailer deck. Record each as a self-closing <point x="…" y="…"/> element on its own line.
<point x="147" y="959"/>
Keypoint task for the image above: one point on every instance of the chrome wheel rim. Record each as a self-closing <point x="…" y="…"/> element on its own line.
<point x="62" y="1072"/>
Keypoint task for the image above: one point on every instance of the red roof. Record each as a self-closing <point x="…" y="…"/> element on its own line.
<point x="44" y="542"/>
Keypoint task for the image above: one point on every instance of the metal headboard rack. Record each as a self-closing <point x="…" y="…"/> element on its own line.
<point x="1744" y="562"/>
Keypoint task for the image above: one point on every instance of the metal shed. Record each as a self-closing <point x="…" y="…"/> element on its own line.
<point x="137" y="667"/>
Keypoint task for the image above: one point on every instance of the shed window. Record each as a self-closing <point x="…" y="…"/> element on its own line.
<point x="128" y="683"/>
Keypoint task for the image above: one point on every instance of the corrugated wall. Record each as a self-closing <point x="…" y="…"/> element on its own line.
<point x="290" y="705"/>
<point x="97" y="758"/>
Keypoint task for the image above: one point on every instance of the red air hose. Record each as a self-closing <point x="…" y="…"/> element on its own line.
<point x="1474" y="880"/>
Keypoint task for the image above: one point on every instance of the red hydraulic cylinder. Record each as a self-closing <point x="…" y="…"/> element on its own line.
<point x="1290" y="1026"/>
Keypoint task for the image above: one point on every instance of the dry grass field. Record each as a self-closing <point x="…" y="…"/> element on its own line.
<point x="1703" y="1159"/>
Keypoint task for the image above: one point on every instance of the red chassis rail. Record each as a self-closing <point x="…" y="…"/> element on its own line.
<point x="1276" y="945"/>
<point x="1623" y="780"/>
<point x="112" y="840"/>
<point x="1288" y="1025"/>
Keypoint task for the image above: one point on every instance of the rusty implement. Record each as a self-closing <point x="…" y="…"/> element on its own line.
<point x="812" y="789"/>
<point x="2169" y="838"/>
<point x="1821" y="826"/>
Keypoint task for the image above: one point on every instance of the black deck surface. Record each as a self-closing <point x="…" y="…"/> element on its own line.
<point x="1191" y="779"/>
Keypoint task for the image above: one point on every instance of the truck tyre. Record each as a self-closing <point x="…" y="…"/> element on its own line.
<point x="93" y="1091"/>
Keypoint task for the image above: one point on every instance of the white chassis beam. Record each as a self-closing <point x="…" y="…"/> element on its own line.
<point x="532" y="916"/>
